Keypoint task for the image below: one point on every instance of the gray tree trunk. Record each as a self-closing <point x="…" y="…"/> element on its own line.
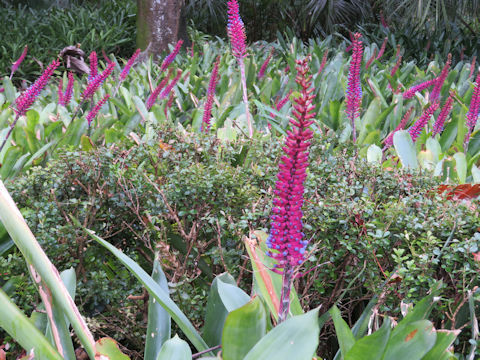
<point x="159" y="23"/>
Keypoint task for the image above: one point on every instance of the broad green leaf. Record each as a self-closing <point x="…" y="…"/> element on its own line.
<point x="109" y="348"/>
<point x="216" y="311"/>
<point x="374" y="154"/>
<point x="243" y="328"/>
<point x="140" y="105"/>
<point x="159" y="321"/>
<point x="9" y="90"/>
<point x="411" y="342"/>
<point x="405" y="149"/>
<point x="15" y="323"/>
<point x="366" y="124"/>
<point x="445" y="339"/>
<point x="434" y="147"/>
<point x="34" y="255"/>
<point x="344" y="335"/>
<point x="155" y="290"/>
<point x="232" y="296"/>
<point x="175" y="349"/>
<point x="296" y="338"/>
<point x="461" y="166"/>
<point x="371" y="347"/>
<point x="475" y="174"/>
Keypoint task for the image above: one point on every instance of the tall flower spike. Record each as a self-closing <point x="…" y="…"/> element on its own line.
<point x="382" y="48"/>
<point x="442" y="117"/>
<point x="417" y="128"/>
<point x="27" y="98"/>
<point x="170" y="86"/>
<point x="154" y="95"/>
<point x="324" y="62"/>
<point x="170" y="57"/>
<point x="286" y="239"/>
<point x="236" y="30"/>
<point x="389" y="140"/>
<point x="473" y="112"/>
<point x="95" y="83"/>
<point x="207" y="111"/>
<point x="263" y="68"/>
<point x="408" y="94"/>
<point x="280" y="104"/>
<point x="93" y="113"/>
<point x="93" y="65"/>
<point x="354" y="88"/>
<point x="373" y="57"/>
<point x="472" y="66"/>
<point x="17" y="63"/>
<point x="69" y="90"/>
<point x="441" y="79"/>
<point x="128" y="66"/>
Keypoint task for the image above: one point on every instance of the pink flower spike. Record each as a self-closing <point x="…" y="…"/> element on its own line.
<point x="383" y="21"/>
<point x="441" y="79"/>
<point x="27" y="98"/>
<point x="389" y="140"/>
<point x="207" y="111"/>
<point x="69" y="90"/>
<point x="382" y="48"/>
<point x="126" y="69"/>
<point x="107" y="59"/>
<point x="93" y="65"/>
<point x="373" y="57"/>
<point x="417" y="128"/>
<point x="408" y="94"/>
<point x="324" y="62"/>
<point x="473" y="111"/>
<point x="95" y="83"/>
<point x="354" y="87"/>
<point x="472" y="66"/>
<point x="170" y="57"/>
<point x="153" y="96"/>
<point x="93" y="113"/>
<point x="236" y="30"/>
<point x="17" y="63"/>
<point x="261" y="73"/>
<point x="444" y="112"/>
<point x="170" y="86"/>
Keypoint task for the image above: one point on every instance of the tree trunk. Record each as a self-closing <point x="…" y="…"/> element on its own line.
<point x="159" y="23"/>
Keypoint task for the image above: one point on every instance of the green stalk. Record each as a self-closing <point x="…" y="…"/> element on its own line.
<point x="245" y="97"/>
<point x="24" y="239"/>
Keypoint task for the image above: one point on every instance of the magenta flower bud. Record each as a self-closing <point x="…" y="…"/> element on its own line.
<point x="389" y="140"/>
<point x="236" y="30"/>
<point x="93" y="113"/>
<point x="207" y="111"/>
<point x="17" y="63"/>
<point x="170" y="57"/>
<point x="354" y="87"/>
<point x="442" y="117"/>
<point x="472" y="66"/>
<point x="130" y="62"/>
<point x="263" y="68"/>
<point x="382" y="48"/>
<point x="69" y="90"/>
<point x="107" y="59"/>
<point x="153" y="96"/>
<point x="170" y="86"/>
<point x="27" y="98"/>
<point x="95" y="83"/>
<point x="473" y="111"/>
<point x="324" y="62"/>
<point x="441" y="79"/>
<point x="408" y="94"/>
<point x="93" y="65"/>
<point x="417" y="128"/>
<point x="373" y="57"/>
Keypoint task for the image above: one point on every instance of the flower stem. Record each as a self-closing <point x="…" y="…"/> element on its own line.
<point x="12" y="125"/>
<point x="287" y="279"/>
<point x="245" y="97"/>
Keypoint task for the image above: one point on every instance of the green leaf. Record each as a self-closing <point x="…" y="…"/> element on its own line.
<point x="411" y="342"/>
<point x="405" y="149"/>
<point x="109" y="348"/>
<point x="15" y="323"/>
<point x="370" y="347"/>
<point x="445" y="339"/>
<point x="461" y="166"/>
<point x="154" y="290"/>
<point x="243" y="328"/>
<point x="296" y="338"/>
<point x="374" y="154"/>
<point x="232" y="296"/>
<point x="175" y="348"/>
<point x="344" y="334"/>
<point x="476" y="174"/>
<point x="159" y="321"/>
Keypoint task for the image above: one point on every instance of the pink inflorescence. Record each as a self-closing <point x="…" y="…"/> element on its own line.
<point x="17" y="63"/>
<point x="441" y="79"/>
<point x="263" y="68"/>
<point x="444" y="112"/>
<point x="286" y="236"/>
<point x="67" y="96"/>
<point x="170" y="57"/>
<point x="207" y="111"/>
<point x="354" y="88"/>
<point x="93" y="65"/>
<point x="382" y="48"/>
<point x="389" y="140"/>
<point x="93" y="113"/>
<point x="154" y="95"/>
<point x="473" y="110"/>
<point x="128" y="66"/>
<point x="236" y="30"/>
<point x="27" y="98"/>
<point x="324" y="62"/>
<point x="170" y="86"/>
<point x="417" y="128"/>
<point x="95" y="83"/>
<point x="408" y="94"/>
